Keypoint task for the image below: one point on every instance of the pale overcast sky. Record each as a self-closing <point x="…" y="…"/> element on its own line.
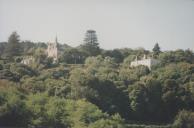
<point x="118" y="23"/>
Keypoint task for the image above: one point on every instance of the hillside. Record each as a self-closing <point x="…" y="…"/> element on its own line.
<point x="95" y="88"/>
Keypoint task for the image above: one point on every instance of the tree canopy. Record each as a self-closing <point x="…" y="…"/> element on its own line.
<point x="90" y="89"/>
<point x="13" y="46"/>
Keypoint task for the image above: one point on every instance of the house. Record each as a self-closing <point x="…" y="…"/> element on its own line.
<point x="28" y="60"/>
<point x="149" y="62"/>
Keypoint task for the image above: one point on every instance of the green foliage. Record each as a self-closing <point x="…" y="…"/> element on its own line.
<point x="13" y="46"/>
<point x="47" y="111"/>
<point x="174" y="98"/>
<point x="103" y="68"/>
<point x="82" y="113"/>
<point x="115" y="122"/>
<point x="13" y="111"/>
<point x="131" y="75"/>
<point x="176" y="56"/>
<point x="91" y="46"/>
<point x="128" y="60"/>
<point x="156" y="49"/>
<point x="57" y="88"/>
<point x="36" y="104"/>
<point x="182" y="72"/>
<point x="41" y="59"/>
<point x="57" y="113"/>
<point x="27" y="47"/>
<point x="97" y="90"/>
<point x="8" y="75"/>
<point x="116" y="54"/>
<point x="2" y="48"/>
<point x="148" y="126"/>
<point x="1" y="66"/>
<point x="33" y="85"/>
<point x="145" y="99"/>
<point x="138" y="99"/>
<point x="73" y="56"/>
<point x="22" y="70"/>
<point x="90" y="88"/>
<point x="184" y="119"/>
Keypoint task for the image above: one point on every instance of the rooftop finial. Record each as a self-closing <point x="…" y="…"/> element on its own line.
<point x="56" y="40"/>
<point x="144" y="56"/>
<point x="136" y="58"/>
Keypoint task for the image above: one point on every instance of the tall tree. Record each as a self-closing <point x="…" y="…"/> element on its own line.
<point x="156" y="49"/>
<point x="13" y="46"/>
<point x="91" y="45"/>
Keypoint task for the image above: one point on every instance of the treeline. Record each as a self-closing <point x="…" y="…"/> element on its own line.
<point x="95" y="88"/>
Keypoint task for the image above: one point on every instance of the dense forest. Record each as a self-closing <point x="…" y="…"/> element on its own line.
<point x="89" y="87"/>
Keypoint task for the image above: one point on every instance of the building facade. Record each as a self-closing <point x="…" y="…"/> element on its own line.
<point x="52" y="50"/>
<point x="28" y="60"/>
<point x="149" y="62"/>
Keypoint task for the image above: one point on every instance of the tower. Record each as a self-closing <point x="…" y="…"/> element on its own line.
<point x="52" y="50"/>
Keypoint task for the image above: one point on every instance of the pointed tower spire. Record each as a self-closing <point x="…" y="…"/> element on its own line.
<point x="136" y="58"/>
<point x="56" y="40"/>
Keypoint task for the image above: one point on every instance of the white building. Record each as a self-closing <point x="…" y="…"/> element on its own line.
<point x="149" y="62"/>
<point x="52" y="50"/>
<point x="28" y="60"/>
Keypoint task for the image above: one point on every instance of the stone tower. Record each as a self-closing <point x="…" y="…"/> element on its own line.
<point x="52" y="50"/>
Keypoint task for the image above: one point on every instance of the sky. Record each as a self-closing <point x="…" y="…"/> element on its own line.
<point x="118" y="23"/>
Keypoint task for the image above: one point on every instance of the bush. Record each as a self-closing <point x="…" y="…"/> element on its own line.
<point x="13" y="111"/>
<point x="184" y="119"/>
